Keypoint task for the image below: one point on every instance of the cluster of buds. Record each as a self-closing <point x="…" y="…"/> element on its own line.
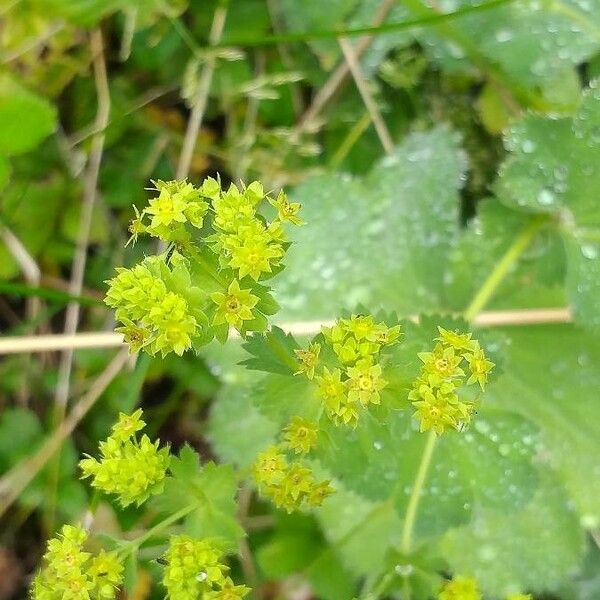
<point x="69" y="573"/>
<point x="435" y="393"/>
<point x="194" y="569"/>
<point x="351" y="378"/>
<point x="290" y="485"/>
<point x="200" y="288"/>
<point x="154" y="316"/>
<point x="131" y="469"/>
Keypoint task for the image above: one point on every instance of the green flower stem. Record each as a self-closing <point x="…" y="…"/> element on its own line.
<point x="477" y="304"/>
<point x="415" y="495"/>
<point x="132" y="545"/>
<point x="506" y="262"/>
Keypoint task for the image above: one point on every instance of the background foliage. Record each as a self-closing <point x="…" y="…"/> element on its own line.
<point x="494" y="117"/>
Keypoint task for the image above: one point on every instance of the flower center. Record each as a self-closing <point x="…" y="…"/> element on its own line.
<point x="232" y="304"/>
<point x="441" y="364"/>
<point x="365" y="382"/>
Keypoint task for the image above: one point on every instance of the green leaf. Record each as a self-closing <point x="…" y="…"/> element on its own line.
<point x="31" y="211"/>
<point x="394" y="230"/>
<point x="554" y="168"/>
<point x="272" y="352"/>
<point x="490" y="465"/>
<point x="586" y="585"/>
<point x="536" y="280"/>
<point x="551" y="377"/>
<point x="238" y="431"/>
<point x="81" y="12"/>
<point x="5" y="171"/>
<point x="25" y="118"/>
<point x="522" y="47"/>
<point x="502" y="550"/>
<point x="212" y="487"/>
<point x="290" y="549"/>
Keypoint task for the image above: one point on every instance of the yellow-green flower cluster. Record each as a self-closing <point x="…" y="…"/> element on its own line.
<point x="177" y="204"/>
<point x="356" y="379"/>
<point x="244" y="240"/>
<point x="131" y="469"/>
<point x="153" y="317"/>
<point x="290" y="485"/>
<point x="69" y="573"/>
<point x="200" y="288"/>
<point x="455" y="361"/>
<point x="460" y="588"/>
<point x="194" y="570"/>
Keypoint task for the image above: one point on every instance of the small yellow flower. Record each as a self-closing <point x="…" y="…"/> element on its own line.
<point x="166" y="209"/>
<point x="301" y="435"/>
<point x="269" y="466"/>
<point x="365" y="382"/>
<point x="460" y="588"/>
<point x="479" y="366"/>
<point x="442" y="362"/>
<point x="308" y="359"/>
<point x="459" y="341"/>
<point x="235" y="307"/>
<point x="229" y="591"/>
<point x="330" y="386"/>
<point x="132" y="470"/>
<point x="193" y="568"/>
<point x="286" y="210"/>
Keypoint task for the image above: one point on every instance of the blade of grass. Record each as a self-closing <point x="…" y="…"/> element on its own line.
<point x="317" y="34"/>
<point x="56" y="296"/>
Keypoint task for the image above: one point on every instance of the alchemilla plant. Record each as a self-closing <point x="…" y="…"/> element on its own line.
<point x="222" y="246"/>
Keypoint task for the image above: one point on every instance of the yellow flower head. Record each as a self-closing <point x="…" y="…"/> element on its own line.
<point x="365" y="383"/>
<point x="301" y="435"/>
<point x="132" y="470"/>
<point x="193" y="568"/>
<point x="460" y="588"/>
<point x="286" y="210"/>
<point x="234" y="307"/>
<point x="70" y="573"/>
<point x="308" y="359"/>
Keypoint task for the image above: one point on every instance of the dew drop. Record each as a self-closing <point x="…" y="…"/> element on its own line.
<point x="503" y="35"/>
<point x="546" y="197"/>
<point x="589" y="251"/>
<point x="404" y="570"/>
<point x="527" y="146"/>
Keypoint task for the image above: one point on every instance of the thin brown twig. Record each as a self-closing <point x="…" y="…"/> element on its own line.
<point x="33" y="305"/>
<point x="337" y="77"/>
<point x="85" y="221"/>
<point x="365" y="93"/>
<point x="105" y="339"/>
<point x="200" y="99"/>
<point x="15" y="481"/>
<point x="90" y="184"/>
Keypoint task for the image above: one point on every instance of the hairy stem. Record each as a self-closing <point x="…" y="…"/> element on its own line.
<point x="494" y="279"/>
<point x="480" y="299"/>
<point x="415" y="495"/>
<point x="134" y="544"/>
